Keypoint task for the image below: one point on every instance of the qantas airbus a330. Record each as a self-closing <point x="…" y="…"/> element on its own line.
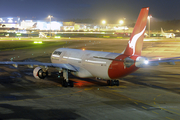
<point x="105" y="65"/>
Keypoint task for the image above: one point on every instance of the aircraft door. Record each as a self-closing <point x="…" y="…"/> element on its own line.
<point x="62" y="57"/>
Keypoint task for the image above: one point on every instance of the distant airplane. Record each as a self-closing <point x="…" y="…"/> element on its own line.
<point x="167" y="35"/>
<point x="105" y="65"/>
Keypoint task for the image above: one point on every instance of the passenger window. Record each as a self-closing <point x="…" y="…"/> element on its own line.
<point x="57" y="53"/>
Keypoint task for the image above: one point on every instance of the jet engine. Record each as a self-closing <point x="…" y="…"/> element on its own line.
<point x="141" y="61"/>
<point x="39" y="73"/>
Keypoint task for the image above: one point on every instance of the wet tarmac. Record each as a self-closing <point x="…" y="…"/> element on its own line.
<point x="151" y="93"/>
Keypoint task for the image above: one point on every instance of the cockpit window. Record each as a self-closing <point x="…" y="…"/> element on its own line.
<point x="57" y="53"/>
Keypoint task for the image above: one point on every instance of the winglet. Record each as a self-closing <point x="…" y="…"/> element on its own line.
<point x="135" y="44"/>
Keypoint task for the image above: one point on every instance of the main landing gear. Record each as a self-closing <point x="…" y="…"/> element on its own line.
<point x="113" y="82"/>
<point x="69" y="83"/>
<point x="66" y="82"/>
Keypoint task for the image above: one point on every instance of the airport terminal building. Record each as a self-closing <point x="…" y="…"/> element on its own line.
<point x="16" y="22"/>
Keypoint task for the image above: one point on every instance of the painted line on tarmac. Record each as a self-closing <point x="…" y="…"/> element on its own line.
<point x="88" y="88"/>
<point x="115" y="91"/>
<point x="155" y="112"/>
<point x="136" y="103"/>
<point x="164" y="108"/>
<point x="169" y="118"/>
<point x="144" y="107"/>
<point x="141" y="102"/>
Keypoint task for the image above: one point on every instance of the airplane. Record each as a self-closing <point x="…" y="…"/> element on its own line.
<point x="105" y="65"/>
<point x="167" y="35"/>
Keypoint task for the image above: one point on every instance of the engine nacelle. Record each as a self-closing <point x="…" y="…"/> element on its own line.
<point x="141" y="61"/>
<point x="39" y="73"/>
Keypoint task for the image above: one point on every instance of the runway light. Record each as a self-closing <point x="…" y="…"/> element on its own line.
<point x="38" y="42"/>
<point x="83" y="49"/>
<point x="18" y="34"/>
<point x="57" y="37"/>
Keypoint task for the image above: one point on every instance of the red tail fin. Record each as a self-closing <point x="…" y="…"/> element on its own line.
<point x="135" y="44"/>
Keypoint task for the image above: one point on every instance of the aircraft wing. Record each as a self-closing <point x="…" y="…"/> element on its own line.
<point x="171" y="61"/>
<point x="56" y="65"/>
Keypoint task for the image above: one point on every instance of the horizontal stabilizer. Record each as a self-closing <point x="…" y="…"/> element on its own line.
<point x="170" y="61"/>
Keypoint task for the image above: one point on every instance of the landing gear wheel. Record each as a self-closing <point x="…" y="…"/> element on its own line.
<point x="108" y="82"/>
<point x="117" y="82"/>
<point x="64" y="83"/>
<point x="71" y="83"/>
<point x="112" y="82"/>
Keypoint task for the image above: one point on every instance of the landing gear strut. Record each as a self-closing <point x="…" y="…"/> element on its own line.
<point x="113" y="82"/>
<point x="66" y="82"/>
<point x="69" y="83"/>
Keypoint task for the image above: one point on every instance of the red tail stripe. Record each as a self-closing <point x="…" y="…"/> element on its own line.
<point x="139" y="29"/>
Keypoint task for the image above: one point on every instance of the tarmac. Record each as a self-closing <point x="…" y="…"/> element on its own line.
<point x="151" y="93"/>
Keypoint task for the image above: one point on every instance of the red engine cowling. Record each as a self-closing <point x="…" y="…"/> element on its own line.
<point x="39" y="73"/>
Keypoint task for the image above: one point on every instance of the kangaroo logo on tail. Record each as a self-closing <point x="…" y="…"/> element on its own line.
<point x="132" y="43"/>
<point x="135" y="43"/>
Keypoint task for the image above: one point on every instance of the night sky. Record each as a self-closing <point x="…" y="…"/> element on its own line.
<point x="95" y="9"/>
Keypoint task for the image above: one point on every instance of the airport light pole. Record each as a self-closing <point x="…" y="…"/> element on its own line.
<point x="104" y="22"/>
<point x="121" y="22"/>
<point x="149" y="17"/>
<point x="50" y="23"/>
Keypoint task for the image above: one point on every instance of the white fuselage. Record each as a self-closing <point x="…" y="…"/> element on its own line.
<point x="169" y="35"/>
<point x="84" y="60"/>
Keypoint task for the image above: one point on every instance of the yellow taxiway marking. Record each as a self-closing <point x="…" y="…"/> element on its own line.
<point x="123" y="86"/>
<point x="117" y="86"/>
<point x="116" y="91"/>
<point x="154" y="98"/>
<point x="141" y="101"/>
<point x="169" y="118"/>
<point x="136" y="103"/>
<point x="159" y="95"/>
<point x="168" y="110"/>
<point x="112" y="86"/>
<point x="155" y="103"/>
<point x="143" y="107"/>
<point x="129" y="98"/>
<point x="88" y="89"/>
<point x="155" y="112"/>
